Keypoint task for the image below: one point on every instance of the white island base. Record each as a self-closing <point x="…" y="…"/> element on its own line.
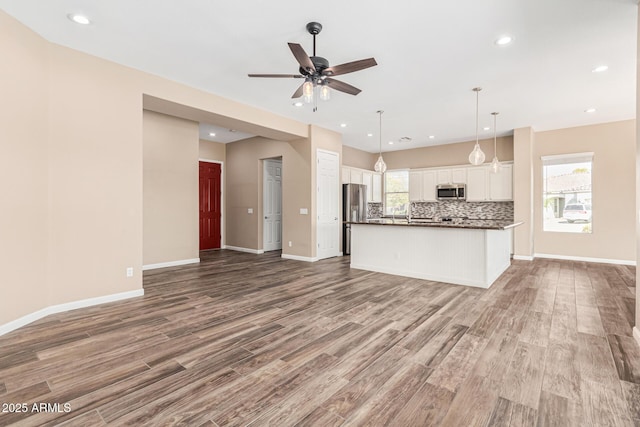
<point x="463" y="256"/>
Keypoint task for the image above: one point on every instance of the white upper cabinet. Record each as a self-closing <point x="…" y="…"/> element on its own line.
<point x="346" y="175"/>
<point x="377" y="188"/>
<point x="373" y="181"/>
<point x="356" y="176"/>
<point x="429" y="186"/>
<point x="477" y="184"/>
<point x="443" y="176"/>
<point x="501" y="183"/>
<point x="415" y="186"/>
<point x="459" y="176"/>
<point x="422" y="186"/>
<point x="367" y="179"/>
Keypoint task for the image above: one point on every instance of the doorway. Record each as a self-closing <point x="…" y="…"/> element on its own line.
<point x="272" y="205"/>
<point x="210" y="200"/>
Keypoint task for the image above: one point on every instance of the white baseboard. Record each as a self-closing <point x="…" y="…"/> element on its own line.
<point x="299" y="258"/>
<point x="523" y="258"/>
<point x="636" y="334"/>
<point x="239" y="249"/>
<point x="586" y="259"/>
<point x="170" y="264"/>
<point x="59" y="308"/>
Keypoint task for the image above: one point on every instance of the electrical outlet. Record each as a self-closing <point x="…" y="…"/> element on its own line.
<point x="290" y="243"/>
<point x="250" y="210"/>
<point x="129" y="271"/>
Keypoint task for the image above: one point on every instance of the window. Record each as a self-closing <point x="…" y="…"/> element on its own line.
<point x="396" y="192"/>
<point x="566" y="193"/>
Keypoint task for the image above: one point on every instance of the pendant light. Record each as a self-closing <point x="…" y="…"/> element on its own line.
<point x="495" y="164"/>
<point x="380" y="165"/>
<point x="477" y="156"/>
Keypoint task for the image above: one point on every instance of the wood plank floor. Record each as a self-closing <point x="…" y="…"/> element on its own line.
<point x="255" y="340"/>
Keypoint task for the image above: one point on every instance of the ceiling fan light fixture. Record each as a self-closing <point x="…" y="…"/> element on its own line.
<point x="477" y="155"/>
<point x="325" y="92"/>
<point x="307" y="91"/>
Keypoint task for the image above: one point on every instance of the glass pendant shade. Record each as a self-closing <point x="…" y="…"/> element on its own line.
<point x="325" y="92"/>
<point x="380" y="165"/>
<point x="307" y="91"/>
<point x="477" y="156"/>
<point x="495" y="165"/>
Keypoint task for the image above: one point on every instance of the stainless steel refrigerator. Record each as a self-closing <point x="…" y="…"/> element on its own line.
<point x="354" y="208"/>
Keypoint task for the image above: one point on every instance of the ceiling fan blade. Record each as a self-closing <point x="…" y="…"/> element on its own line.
<point x="291" y="76"/>
<point x="302" y="57"/>
<point x="298" y="92"/>
<point x="350" y="67"/>
<point x="342" y="86"/>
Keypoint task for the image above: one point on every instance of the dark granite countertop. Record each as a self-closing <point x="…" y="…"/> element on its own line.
<point x="477" y="224"/>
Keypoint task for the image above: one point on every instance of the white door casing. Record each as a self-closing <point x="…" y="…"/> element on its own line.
<point x="328" y="204"/>
<point x="272" y="205"/>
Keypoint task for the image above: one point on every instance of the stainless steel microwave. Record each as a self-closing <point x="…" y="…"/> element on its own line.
<point x="451" y="192"/>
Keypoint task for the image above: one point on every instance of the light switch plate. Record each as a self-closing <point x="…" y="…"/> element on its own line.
<point x="304" y="211"/>
<point x="250" y="210"/>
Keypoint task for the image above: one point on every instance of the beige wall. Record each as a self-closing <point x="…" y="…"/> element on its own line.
<point x="244" y="191"/>
<point x="637" y="329"/>
<point x="23" y="171"/>
<point x="358" y="158"/>
<point x="523" y="141"/>
<point x="209" y="150"/>
<point x="613" y="173"/>
<point x="170" y="189"/>
<point x="446" y="155"/>
<point x="72" y="138"/>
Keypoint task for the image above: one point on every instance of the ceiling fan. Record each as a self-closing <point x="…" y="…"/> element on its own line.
<point x="318" y="73"/>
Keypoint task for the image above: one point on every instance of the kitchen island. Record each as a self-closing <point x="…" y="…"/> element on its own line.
<point x="468" y="252"/>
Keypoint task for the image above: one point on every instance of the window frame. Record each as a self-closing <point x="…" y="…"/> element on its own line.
<point x="385" y="192"/>
<point x="566" y="159"/>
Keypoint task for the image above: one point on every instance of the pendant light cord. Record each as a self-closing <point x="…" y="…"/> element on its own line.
<point x="477" y="107"/>
<point x="380" y="133"/>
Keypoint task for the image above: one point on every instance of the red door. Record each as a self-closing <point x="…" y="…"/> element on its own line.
<point x="210" y="211"/>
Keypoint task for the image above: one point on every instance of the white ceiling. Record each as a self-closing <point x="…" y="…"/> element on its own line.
<point x="430" y="55"/>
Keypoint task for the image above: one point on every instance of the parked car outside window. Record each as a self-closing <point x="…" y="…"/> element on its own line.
<point x="577" y="212"/>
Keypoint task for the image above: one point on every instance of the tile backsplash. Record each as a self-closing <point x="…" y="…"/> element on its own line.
<point x="477" y="210"/>
<point x="452" y="208"/>
<point x="374" y="210"/>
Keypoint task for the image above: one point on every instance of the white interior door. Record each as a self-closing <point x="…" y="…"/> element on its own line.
<point x="328" y="202"/>
<point x="272" y="205"/>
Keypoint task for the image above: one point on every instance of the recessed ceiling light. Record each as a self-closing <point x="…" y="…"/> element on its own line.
<point x="600" y="69"/>
<point x="432" y="136"/>
<point x="79" y="19"/>
<point x="298" y="104"/>
<point x="590" y="110"/>
<point x="390" y="142"/>
<point x="504" y="40"/>
<point x="486" y="128"/>
<point x="212" y="134"/>
<point x="369" y="134"/>
<point x="343" y="125"/>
